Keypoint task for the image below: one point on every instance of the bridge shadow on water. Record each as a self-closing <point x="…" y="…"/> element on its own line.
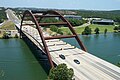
<point x="39" y="55"/>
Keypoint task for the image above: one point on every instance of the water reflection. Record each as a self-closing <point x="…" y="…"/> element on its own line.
<point x="18" y="63"/>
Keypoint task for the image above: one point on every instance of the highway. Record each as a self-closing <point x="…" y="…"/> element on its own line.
<point x="90" y="67"/>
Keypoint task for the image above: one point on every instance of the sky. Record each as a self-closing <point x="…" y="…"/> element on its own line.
<point x="64" y="4"/>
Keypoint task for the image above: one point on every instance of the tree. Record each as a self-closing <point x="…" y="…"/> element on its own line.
<point x="76" y="22"/>
<point x="117" y="19"/>
<point x="116" y="28"/>
<point x="2" y="14"/>
<point x="105" y="31"/>
<point x="96" y="30"/>
<point x="16" y="36"/>
<point x="5" y="35"/>
<point x="1" y="20"/>
<point x="83" y="33"/>
<point x="61" y="72"/>
<point x="54" y="28"/>
<point x="119" y="27"/>
<point x="118" y="64"/>
<point x="87" y="31"/>
<point x="60" y="31"/>
<point x="49" y="20"/>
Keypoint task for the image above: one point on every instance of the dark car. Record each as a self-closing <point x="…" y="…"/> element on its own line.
<point x="76" y="61"/>
<point x="62" y="56"/>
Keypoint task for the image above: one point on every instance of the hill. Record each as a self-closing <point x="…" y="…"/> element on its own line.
<point x="114" y="15"/>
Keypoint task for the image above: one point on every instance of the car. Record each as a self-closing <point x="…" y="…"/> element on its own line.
<point x="76" y="61"/>
<point x="62" y="56"/>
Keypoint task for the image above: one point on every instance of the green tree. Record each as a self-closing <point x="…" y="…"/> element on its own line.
<point x="115" y="28"/>
<point x="87" y="31"/>
<point x="61" y="72"/>
<point x="2" y="14"/>
<point x="76" y="22"/>
<point x="53" y="28"/>
<point x="117" y="19"/>
<point x="118" y="64"/>
<point x="60" y="31"/>
<point x="49" y="20"/>
<point x="5" y="35"/>
<point x="119" y="27"/>
<point x="16" y="36"/>
<point x="83" y="33"/>
<point x="1" y="20"/>
<point x="96" y="30"/>
<point x="105" y="31"/>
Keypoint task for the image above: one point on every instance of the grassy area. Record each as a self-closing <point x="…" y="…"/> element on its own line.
<point x="65" y="30"/>
<point x="79" y="30"/>
<point x="8" y="25"/>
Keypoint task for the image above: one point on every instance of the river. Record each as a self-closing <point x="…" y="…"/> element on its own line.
<point x="17" y="62"/>
<point x="103" y="46"/>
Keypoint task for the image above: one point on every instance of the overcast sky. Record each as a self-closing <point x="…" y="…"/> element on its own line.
<point x="64" y="4"/>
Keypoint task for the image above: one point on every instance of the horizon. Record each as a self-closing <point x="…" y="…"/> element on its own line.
<point x="107" y="5"/>
<point x="62" y="9"/>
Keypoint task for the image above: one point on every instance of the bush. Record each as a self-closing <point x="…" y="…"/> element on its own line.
<point x="96" y="30"/>
<point x="105" y="31"/>
<point x="87" y="31"/>
<point x="115" y="28"/>
<point x="1" y="20"/>
<point x="5" y="35"/>
<point x="53" y="28"/>
<point x="61" y="72"/>
<point x="49" y="20"/>
<point x="60" y="31"/>
<point x="118" y="64"/>
<point x="76" y="22"/>
<point x="69" y="33"/>
<point x="16" y="36"/>
<point x="83" y="33"/>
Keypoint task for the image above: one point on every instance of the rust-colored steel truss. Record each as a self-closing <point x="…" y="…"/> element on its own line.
<point x="36" y="17"/>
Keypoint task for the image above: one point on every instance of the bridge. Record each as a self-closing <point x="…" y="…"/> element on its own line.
<point x="90" y="67"/>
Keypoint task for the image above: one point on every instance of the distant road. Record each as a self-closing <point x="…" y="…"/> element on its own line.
<point x="84" y="25"/>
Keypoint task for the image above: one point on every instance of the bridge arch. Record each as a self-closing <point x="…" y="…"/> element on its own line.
<point x="34" y="18"/>
<point x="40" y="33"/>
<point x="70" y="27"/>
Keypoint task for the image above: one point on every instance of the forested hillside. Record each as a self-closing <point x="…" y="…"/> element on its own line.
<point x="115" y="14"/>
<point x="2" y="13"/>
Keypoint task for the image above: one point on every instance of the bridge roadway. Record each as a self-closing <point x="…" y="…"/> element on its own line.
<point x="90" y="67"/>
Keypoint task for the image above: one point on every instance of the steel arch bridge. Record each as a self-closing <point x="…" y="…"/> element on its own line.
<point x="37" y="16"/>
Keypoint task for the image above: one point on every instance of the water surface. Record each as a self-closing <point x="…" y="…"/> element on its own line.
<point x="106" y="46"/>
<point x="18" y="63"/>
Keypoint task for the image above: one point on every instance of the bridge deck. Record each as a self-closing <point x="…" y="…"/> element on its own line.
<point x="90" y="67"/>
